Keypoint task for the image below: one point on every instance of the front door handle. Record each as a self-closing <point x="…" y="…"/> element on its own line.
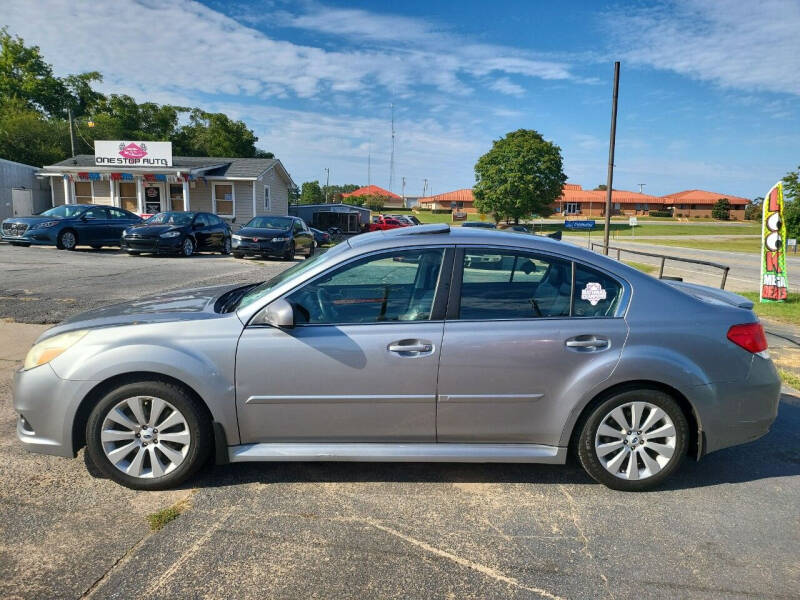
<point x="411" y="347"/>
<point x="588" y="343"/>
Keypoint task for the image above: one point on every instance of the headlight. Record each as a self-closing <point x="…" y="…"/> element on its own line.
<point x="236" y="237"/>
<point x="280" y="239"/>
<point x="45" y="225"/>
<point x="43" y="352"/>
<point x="170" y="234"/>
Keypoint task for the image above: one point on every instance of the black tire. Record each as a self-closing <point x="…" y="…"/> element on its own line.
<point x="197" y="421"/>
<point x="134" y="253"/>
<point x="187" y="247"/>
<point x="238" y="255"/>
<point x="289" y="254"/>
<point x="588" y="456"/>
<point x="67" y="240"/>
<point x="226" y="246"/>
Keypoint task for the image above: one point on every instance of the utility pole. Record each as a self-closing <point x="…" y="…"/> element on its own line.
<point x="424" y="187"/>
<point x="610" y="180"/>
<point x="369" y="162"/>
<point x="641" y="187"/>
<point x="327" y="182"/>
<point x="391" y="160"/>
<point x="403" y="193"/>
<point x="71" y="132"/>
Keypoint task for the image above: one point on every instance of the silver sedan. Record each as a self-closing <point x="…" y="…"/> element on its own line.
<point x="416" y="344"/>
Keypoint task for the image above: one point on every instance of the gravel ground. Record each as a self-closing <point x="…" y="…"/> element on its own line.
<point x="726" y="527"/>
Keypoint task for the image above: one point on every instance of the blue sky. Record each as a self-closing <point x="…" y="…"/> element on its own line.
<point x="709" y="93"/>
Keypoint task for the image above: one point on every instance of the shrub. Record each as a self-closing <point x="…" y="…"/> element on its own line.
<point x="660" y="213"/>
<point x="722" y="209"/>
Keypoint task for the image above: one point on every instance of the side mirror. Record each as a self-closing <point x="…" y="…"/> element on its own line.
<point x="278" y="313"/>
<point x="196" y="226"/>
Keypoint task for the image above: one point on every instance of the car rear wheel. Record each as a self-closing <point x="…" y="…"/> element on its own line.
<point x="67" y="240"/>
<point x="633" y="440"/>
<point x="148" y="435"/>
<point x="187" y="247"/>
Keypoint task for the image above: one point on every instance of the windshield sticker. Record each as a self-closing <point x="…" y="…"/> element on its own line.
<point x="593" y="292"/>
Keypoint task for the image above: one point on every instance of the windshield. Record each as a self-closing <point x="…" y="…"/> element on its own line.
<point x="64" y="211"/>
<point x="270" y="223"/>
<point x="171" y="218"/>
<point x="265" y="288"/>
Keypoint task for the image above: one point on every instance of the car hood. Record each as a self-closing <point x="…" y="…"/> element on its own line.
<point x="262" y="232"/>
<point x="34" y="220"/>
<point x="152" y="230"/>
<point x="179" y="305"/>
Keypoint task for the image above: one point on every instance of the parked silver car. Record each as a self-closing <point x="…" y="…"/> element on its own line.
<point x="415" y="344"/>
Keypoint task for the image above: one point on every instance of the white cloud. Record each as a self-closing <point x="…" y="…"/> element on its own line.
<point x="505" y="86"/>
<point x="734" y="43"/>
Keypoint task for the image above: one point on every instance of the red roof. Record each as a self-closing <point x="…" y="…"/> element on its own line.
<point x="574" y="193"/>
<point x="464" y="195"/>
<point x="371" y="190"/>
<point x="702" y="197"/>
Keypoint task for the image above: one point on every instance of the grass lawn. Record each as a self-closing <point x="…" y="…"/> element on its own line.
<point x="728" y="244"/>
<point x="624" y="231"/>
<point x="788" y="311"/>
<point x="649" y="269"/>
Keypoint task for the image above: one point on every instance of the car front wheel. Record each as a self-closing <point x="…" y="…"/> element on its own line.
<point x="67" y="240"/>
<point x="289" y="254"/>
<point x="187" y="247"/>
<point x="226" y="246"/>
<point x="148" y="435"/>
<point x="633" y="440"/>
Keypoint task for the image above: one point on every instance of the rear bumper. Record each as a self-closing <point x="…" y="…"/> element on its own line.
<point x="739" y="412"/>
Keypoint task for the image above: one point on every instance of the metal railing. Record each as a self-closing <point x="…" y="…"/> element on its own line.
<point x="664" y="258"/>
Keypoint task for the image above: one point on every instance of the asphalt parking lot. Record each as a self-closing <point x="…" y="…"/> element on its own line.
<point x="726" y="527"/>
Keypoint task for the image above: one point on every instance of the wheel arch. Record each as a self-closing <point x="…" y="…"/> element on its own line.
<point x="94" y="396"/>
<point x="695" y="445"/>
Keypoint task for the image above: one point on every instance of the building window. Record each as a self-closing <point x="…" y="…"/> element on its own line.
<point x="266" y="198"/>
<point x="224" y="200"/>
<point x="83" y="192"/>
<point x="176" y="196"/>
<point x="127" y="196"/>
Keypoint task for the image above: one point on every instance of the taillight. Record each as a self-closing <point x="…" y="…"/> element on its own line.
<point x="749" y="336"/>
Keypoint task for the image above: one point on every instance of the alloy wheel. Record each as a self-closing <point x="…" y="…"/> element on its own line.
<point x="145" y="437"/>
<point x="68" y="240"/>
<point x="635" y="441"/>
<point x="187" y="248"/>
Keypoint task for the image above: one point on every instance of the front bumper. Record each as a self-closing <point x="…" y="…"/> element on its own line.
<point x="46" y="406"/>
<point x="259" y="248"/>
<point x="156" y="245"/>
<point x="739" y="412"/>
<point x="34" y="237"/>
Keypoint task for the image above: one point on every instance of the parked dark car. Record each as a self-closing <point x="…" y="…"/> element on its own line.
<point x="178" y="232"/>
<point x="273" y="236"/>
<point x="321" y="237"/>
<point x="481" y="224"/>
<point x="69" y="226"/>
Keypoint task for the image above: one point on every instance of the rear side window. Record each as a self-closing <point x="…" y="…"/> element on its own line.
<point x="512" y="285"/>
<point x="596" y="294"/>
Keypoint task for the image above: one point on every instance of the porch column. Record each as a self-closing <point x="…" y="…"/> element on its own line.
<point x="114" y="200"/>
<point x="186" y="205"/>
<point x="66" y="191"/>
<point x="140" y="195"/>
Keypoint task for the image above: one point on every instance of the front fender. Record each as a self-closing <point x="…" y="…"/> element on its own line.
<point x="211" y="377"/>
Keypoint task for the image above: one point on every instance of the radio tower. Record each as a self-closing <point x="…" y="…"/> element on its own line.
<point x="391" y="159"/>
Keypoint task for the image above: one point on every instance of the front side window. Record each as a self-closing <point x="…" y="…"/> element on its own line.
<point x="298" y="227"/>
<point x="514" y="285"/>
<point x="390" y="287"/>
<point x="223" y="199"/>
<point x="95" y="213"/>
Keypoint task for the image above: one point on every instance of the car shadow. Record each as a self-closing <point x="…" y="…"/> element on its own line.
<point x="775" y="455"/>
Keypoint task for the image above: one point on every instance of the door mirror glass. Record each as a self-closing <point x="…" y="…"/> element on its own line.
<point x="279" y="313"/>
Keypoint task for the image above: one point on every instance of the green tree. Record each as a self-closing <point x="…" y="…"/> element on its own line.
<point x="791" y="186"/>
<point x="601" y="188"/>
<point x="375" y="202"/>
<point x="754" y="209"/>
<point x="28" y="137"/>
<point x="214" y="134"/>
<point x="311" y="193"/>
<point x="721" y="209"/>
<point x="522" y="174"/>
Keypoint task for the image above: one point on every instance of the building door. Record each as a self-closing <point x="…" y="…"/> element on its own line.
<point x="154" y="198"/>
<point x="22" y="201"/>
<point x="571" y="208"/>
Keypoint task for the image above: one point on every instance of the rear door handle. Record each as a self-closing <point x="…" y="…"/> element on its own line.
<point x="411" y="347"/>
<point x="588" y="343"/>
